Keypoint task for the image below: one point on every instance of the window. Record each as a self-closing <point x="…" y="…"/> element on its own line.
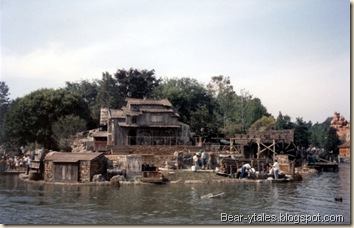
<point x="134" y="119"/>
<point x="156" y="119"/>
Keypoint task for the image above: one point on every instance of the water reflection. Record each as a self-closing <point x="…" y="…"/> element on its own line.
<point x="170" y="204"/>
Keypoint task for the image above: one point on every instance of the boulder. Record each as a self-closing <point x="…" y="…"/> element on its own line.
<point x="115" y="181"/>
<point x="98" y="178"/>
<point x="34" y="176"/>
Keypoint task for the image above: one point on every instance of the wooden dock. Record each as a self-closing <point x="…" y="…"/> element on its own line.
<point x="324" y="166"/>
<point x="152" y="177"/>
<point x="11" y="172"/>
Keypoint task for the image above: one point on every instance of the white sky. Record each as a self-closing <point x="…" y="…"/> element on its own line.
<point x="294" y="55"/>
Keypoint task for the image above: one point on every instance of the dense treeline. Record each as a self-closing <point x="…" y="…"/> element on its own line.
<point x="41" y="116"/>
<point x="31" y="119"/>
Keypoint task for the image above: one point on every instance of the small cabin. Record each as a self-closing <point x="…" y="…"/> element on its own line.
<point x="73" y="167"/>
<point x="134" y="164"/>
<point x="100" y="141"/>
<point x="344" y="149"/>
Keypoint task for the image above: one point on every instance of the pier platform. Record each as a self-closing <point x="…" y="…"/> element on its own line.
<point x="324" y="166"/>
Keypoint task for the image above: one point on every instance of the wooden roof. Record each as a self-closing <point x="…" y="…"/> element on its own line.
<point x="344" y="145"/>
<point x="148" y="125"/>
<point x="100" y="134"/>
<point x="129" y="112"/>
<point x="70" y="157"/>
<point x="134" y="101"/>
<point x="115" y="113"/>
<point x="157" y="110"/>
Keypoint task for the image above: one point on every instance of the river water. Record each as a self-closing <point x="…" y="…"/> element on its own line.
<point x="311" y="200"/>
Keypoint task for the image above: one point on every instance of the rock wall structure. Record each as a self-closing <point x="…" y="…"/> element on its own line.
<point x="342" y="126"/>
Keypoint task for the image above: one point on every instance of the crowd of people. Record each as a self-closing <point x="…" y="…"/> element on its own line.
<point x="248" y="171"/>
<point x="16" y="163"/>
<point x="201" y="161"/>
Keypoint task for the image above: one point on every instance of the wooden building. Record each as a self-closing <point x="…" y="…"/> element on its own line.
<point x="73" y="167"/>
<point x="344" y="149"/>
<point x="133" y="165"/>
<point x="144" y="122"/>
<point x="99" y="141"/>
<point x="266" y="144"/>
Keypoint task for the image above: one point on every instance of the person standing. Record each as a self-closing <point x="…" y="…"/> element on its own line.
<point x="196" y="162"/>
<point x="276" y="169"/>
<point x="204" y="159"/>
<point x="28" y="164"/>
<point x="16" y="163"/>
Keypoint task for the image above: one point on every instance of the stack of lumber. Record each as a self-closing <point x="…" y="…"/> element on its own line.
<point x="228" y="166"/>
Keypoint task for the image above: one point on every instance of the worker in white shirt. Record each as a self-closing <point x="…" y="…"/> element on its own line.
<point x="276" y="169"/>
<point x="244" y="168"/>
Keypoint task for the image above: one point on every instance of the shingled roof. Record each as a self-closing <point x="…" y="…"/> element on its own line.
<point x="70" y="157"/>
<point x="115" y="113"/>
<point x="133" y="101"/>
<point x="345" y="145"/>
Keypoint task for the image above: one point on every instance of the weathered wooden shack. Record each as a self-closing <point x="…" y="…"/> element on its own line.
<point x="344" y="149"/>
<point x="261" y="148"/>
<point x="133" y="165"/>
<point x="99" y="141"/>
<point x="144" y="122"/>
<point x="266" y="144"/>
<point x="73" y="167"/>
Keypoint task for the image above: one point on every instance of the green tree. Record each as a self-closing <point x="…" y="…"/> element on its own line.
<point x="302" y="133"/>
<point x="203" y="122"/>
<point x="134" y="83"/>
<point x="187" y="96"/>
<point x="248" y="110"/>
<point x="331" y="141"/>
<point x="238" y="112"/>
<point x="317" y="138"/>
<point x="4" y="93"/>
<point x="265" y="123"/>
<point x="30" y="119"/>
<point x="4" y="103"/>
<point x="318" y="133"/>
<point x="64" y="130"/>
<point x="88" y="90"/>
<point x="243" y="99"/>
<point x="107" y="92"/>
<point x="255" y="111"/>
<point x="221" y="89"/>
<point x="283" y="122"/>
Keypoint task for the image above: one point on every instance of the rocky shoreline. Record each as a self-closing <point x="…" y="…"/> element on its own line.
<point x="172" y="177"/>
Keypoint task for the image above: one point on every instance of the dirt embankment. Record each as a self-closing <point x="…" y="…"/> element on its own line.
<point x="202" y="177"/>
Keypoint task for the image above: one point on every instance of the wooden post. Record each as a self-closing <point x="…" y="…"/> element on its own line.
<point x="292" y="172"/>
<point x="273" y="150"/>
<point x="236" y="166"/>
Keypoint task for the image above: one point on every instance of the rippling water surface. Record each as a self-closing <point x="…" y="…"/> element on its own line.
<point x="24" y="203"/>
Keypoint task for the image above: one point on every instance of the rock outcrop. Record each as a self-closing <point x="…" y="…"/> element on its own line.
<point x="81" y="140"/>
<point x="342" y="126"/>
